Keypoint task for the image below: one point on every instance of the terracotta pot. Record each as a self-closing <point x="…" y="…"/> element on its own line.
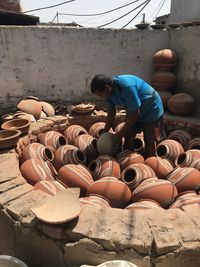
<point x="139" y="144"/>
<point x="194" y="143"/>
<point x="196" y="164"/>
<point x="22" y="125"/>
<point x="31" y="106"/>
<point x="111" y="188"/>
<point x="128" y="157"/>
<point x="50" y="187"/>
<point x="169" y="149"/>
<point x="47" y="109"/>
<point x="52" y="139"/>
<point x="23" y="115"/>
<point x="134" y="174"/>
<point x="144" y="204"/>
<point x="108" y="145"/>
<point x="31" y="97"/>
<point x="75" y="176"/>
<point x="88" y="145"/>
<point x="163" y="80"/>
<point x="165" y="96"/>
<point x="95" y="201"/>
<point x="181" y="104"/>
<point x="161" y="191"/>
<point x="165" y="59"/>
<point x="68" y="154"/>
<point x="97" y="129"/>
<point x="104" y="166"/>
<point x="161" y="167"/>
<point x="119" y="126"/>
<point x="181" y="136"/>
<point x="9" y="138"/>
<point x="72" y="132"/>
<point x="35" y="170"/>
<point x="36" y="150"/>
<point x="186" y="159"/>
<point x="185" y="179"/>
<point x="185" y="198"/>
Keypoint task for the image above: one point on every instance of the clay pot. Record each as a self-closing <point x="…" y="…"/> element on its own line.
<point x="111" y="188"/>
<point x="95" y="201"/>
<point x="128" y="157"/>
<point x="35" y="170"/>
<point x="144" y="204"/>
<point x="88" y="145"/>
<point x="161" y="191"/>
<point x="31" y="106"/>
<point x="75" y="176"/>
<point x="31" y="97"/>
<point x="23" y="115"/>
<point x="107" y="144"/>
<point x="185" y="179"/>
<point x="185" y="198"/>
<point x="47" y="109"/>
<point x="52" y="139"/>
<point x="68" y="154"/>
<point x="9" y="138"/>
<point x="139" y="144"/>
<point x="165" y="59"/>
<point x="22" y="125"/>
<point x="181" y="104"/>
<point x="165" y="96"/>
<point x="186" y="159"/>
<point x="163" y="80"/>
<point x="181" y="136"/>
<point x="36" y="150"/>
<point x="50" y="187"/>
<point x="119" y="126"/>
<point x="196" y="164"/>
<point x="169" y="149"/>
<point x="72" y="132"/>
<point x="104" y="166"/>
<point x="134" y="174"/>
<point x="194" y="143"/>
<point x="161" y="167"/>
<point x="97" y="129"/>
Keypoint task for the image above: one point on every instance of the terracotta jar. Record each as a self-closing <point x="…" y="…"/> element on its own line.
<point x="161" y="167"/>
<point x="196" y="164"/>
<point x="163" y="80"/>
<point x="97" y="129"/>
<point x="159" y="190"/>
<point x="194" y="143"/>
<point x="181" y="136"/>
<point x="31" y="106"/>
<point x="88" y="145"/>
<point x="144" y="204"/>
<point x="35" y="170"/>
<point x="134" y="174"/>
<point x="104" y="166"/>
<point x="36" y="150"/>
<point x="181" y="104"/>
<point x="165" y="96"/>
<point x="75" y="176"/>
<point x="169" y="149"/>
<point x="186" y="178"/>
<point x="111" y="188"/>
<point x="95" y="201"/>
<point x="52" y="140"/>
<point x="185" y="198"/>
<point x="186" y="159"/>
<point x="68" y="154"/>
<point x="50" y="187"/>
<point x="47" y="109"/>
<point x="22" y="115"/>
<point x="128" y="157"/>
<point x="139" y="144"/>
<point x="72" y="132"/>
<point x="165" y="59"/>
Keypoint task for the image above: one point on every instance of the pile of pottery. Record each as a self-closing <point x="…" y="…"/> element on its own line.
<point x="58" y="161"/>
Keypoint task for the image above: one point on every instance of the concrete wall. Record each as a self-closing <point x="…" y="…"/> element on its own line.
<point x="11" y="5"/>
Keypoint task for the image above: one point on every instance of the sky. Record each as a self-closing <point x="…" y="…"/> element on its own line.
<point x="97" y="6"/>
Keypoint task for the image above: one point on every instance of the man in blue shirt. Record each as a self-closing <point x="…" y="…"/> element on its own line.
<point x="143" y="105"/>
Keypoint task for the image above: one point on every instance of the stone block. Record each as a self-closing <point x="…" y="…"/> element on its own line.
<point x="52" y="231"/>
<point x="11" y="184"/>
<point x="34" y="129"/>
<point x="58" y="119"/>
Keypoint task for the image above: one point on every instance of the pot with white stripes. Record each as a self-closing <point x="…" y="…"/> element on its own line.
<point x="181" y="136"/>
<point x="184" y="199"/>
<point x="72" y="132"/>
<point x="50" y="187"/>
<point x="97" y="129"/>
<point x="196" y="164"/>
<point x="187" y="158"/>
<point x="144" y="204"/>
<point x="128" y="157"/>
<point x="194" y="143"/>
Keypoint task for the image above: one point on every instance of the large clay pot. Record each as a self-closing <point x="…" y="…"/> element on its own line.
<point x="36" y="150"/>
<point x="47" y="109"/>
<point x="185" y="179"/>
<point x="194" y="143"/>
<point x="35" y="170"/>
<point x="144" y="204"/>
<point x="165" y="96"/>
<point x="31" y="106"/>
<point x="161" y="167"/>
<point x="186" y="159"/>
<point x="72" y="132"/>
<point x="169" y="149"/>
<point x="162" y="191"/>
<point x="107" y="144"/>
<point x="95" y="201"/>
<point x="97" y="129"/>
<point x="68" y="154"/>
<point x="181" y="136"/>
<point x="9" y="138"/>
<point x="104" y="166"/>
<point x="75" y="176"/>
<point x="181" y="104"/>
<point x="128" y="157"/>
<point x="165" y="59"/>
<point x="111" y="188"/>
<point x="23" y="115"/>
<point x="196" y="164"/>
<point x="22" y="125"/>
<point x="134" y="174"/>
<point x="52" y="139"/>
<point x="50" y="187"/>
<point x="163" y="80"/>
<point x="139" y="144"/>
<point x="185" y="198"/>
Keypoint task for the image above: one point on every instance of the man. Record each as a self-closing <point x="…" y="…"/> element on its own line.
<point x="143" y="105"/>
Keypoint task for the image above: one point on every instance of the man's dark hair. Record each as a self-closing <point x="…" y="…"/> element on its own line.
<point x="99" y="82"/>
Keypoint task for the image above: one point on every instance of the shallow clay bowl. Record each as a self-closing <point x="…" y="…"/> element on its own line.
<point x="9" y="138"/>
<point x="17" y="124"/>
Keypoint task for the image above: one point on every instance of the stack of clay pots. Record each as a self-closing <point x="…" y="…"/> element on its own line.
<point x="171" y="179"/>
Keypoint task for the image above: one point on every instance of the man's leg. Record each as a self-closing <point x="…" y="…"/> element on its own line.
<point x="129" y="138"/>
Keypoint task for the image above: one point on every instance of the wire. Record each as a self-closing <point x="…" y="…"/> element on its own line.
<point x="122" y="15"/>
<point x="41" y="8"/>
<point x="137" y="14"/>
<point x="156" y="9"/>
<point x="159" y="9"/>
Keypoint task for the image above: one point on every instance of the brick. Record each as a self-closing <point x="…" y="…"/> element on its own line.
<point x="12" y="184"/>
<point x="57" y="119"/>
<point x="52" y="231"/>
<point x="33" y="130"/>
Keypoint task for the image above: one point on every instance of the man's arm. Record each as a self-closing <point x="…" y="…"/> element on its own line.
<point x="110" y="119"/>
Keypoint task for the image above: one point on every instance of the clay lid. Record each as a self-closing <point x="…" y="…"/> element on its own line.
<point x="60" y="208"/>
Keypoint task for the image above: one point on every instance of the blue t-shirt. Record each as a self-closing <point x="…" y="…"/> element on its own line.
<point x="132" y="93"/>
